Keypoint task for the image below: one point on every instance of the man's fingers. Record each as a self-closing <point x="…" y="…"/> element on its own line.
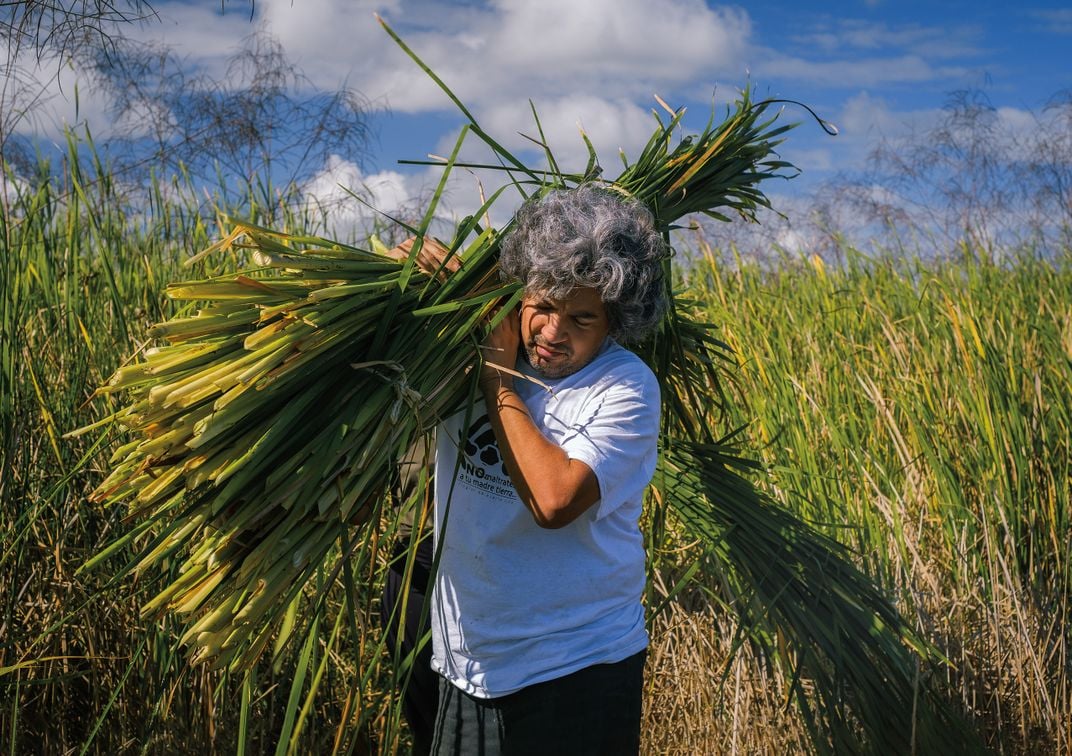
<point x="430" y="257"/>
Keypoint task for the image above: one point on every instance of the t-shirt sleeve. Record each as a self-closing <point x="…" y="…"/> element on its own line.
<point x="617" y="436"/>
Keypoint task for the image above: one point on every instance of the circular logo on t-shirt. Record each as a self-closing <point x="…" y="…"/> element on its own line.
<point x="481" y="448"/>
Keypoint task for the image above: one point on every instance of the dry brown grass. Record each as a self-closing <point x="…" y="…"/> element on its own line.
<point x="694" y="704"/>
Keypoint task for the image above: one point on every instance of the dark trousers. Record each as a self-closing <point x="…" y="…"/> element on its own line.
<point x="588" y="713"/>
<point x="421" y="692"/>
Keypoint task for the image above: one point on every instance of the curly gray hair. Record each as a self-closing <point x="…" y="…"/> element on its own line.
<point x="591" y="236"/>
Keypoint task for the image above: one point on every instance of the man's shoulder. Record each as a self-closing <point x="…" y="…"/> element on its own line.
<point x="616" y="358"/>
<point x="617" y="366"/>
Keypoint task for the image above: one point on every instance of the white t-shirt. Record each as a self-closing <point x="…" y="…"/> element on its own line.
<point x="516" y="604"/>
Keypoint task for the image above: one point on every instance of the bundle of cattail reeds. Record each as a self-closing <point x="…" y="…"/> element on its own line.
<point x="273" y="417"/>
<point x="270" y="419"/>
<point x="265" y="428"/>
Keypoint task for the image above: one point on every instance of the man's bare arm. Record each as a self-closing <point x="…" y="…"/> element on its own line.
<point x="556" y="489"/>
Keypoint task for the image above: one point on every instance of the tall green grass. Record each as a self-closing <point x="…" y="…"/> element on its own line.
<point x="922" y="413"/>
<point x="82" y="271"/>
<point x="919" y="412"/>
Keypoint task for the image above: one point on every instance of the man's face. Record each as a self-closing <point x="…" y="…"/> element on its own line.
<point x="561" y="336"/>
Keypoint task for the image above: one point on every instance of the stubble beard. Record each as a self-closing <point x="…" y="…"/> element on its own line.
<point x="555" y="368"/>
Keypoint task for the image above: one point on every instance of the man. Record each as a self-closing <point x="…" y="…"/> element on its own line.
<point x="537" y="624"/>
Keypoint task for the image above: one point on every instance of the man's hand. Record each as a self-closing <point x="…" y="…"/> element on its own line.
<point x="430" y="258"/>
<point x="555" y="489"/>
<point x="500" y="347"/>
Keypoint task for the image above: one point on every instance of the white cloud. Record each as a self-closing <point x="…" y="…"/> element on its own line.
<point x="199" y="32"/>
<point x="54" y="96"/>
<point x="793" y="241"/>
<point x="857" y="72"/>
<point x="334" y="186"/>
<point x="617" y="39"/>
<point x="863" y="114"/>
<point x="1053" y="21"/>
<point x="11" y="187"/>
<point x="592" y="64"/>
<point x="610" y="124"/>
<point x="845" y="34"/>
<point x="387" y="195"/>
<point x="817" y="159"/>
<point x="335" y="42"/>
<point x="865" y="121"/>
<point x="618" y="48"/>
<point x="1017" y="120"/>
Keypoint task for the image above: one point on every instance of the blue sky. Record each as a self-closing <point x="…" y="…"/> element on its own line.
<point x="877" y="69"/>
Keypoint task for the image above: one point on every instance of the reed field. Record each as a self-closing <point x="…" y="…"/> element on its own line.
<point x="916" y="409"/>
<point x="922" y="411"/>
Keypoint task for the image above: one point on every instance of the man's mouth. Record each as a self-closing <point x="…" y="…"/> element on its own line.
<point x="546" y="353"/>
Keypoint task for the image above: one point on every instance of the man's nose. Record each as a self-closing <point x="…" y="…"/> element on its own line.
<point x="554" y="330"/>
